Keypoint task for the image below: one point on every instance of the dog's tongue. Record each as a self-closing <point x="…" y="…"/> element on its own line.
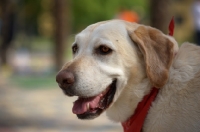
<point x="80" y="105"/>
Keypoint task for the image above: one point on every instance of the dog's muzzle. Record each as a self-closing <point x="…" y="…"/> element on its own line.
<point x="86" y="107"/>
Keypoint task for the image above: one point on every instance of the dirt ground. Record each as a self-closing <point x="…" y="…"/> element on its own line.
<point x="44" y="110"/>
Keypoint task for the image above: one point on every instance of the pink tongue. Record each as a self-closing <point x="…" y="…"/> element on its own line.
<point x="80" y="105"/>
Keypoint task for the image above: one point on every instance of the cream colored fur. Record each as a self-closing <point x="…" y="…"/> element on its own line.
<point x="177" y="106"/>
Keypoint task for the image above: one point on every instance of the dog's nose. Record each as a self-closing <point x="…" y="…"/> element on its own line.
<point x="65" y="79"/>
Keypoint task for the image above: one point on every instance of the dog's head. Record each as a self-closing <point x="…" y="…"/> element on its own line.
<point x="111" y="56"/>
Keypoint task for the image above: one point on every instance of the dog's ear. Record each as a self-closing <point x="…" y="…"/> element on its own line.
<point x="158" y="52"/>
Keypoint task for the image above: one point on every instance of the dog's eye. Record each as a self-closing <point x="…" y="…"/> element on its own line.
<point x="74" y="48"/>
<point x="104" y="50"/>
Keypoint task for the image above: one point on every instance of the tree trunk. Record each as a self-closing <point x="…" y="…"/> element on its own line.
<point x="7" y="28"/>
<point x="160" y="15"/>
<point x="60" y="31"/>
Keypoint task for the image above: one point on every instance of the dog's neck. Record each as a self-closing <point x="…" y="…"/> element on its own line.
<point x="136" y="121"/>
<point x="125" y="106"/>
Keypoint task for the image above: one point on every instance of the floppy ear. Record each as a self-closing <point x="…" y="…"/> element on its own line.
<point x="158" y="52"/>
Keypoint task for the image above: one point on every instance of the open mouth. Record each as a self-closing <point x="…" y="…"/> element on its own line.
<point x="91" y="107"/>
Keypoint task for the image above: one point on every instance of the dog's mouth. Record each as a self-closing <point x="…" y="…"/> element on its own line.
<point x="92" y="107"/>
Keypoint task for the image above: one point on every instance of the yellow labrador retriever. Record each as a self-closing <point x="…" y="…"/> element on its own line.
<point x="130" y="70"/>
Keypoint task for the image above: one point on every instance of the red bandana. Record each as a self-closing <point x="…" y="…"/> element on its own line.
<point x="135" y="123"/>
<point x="171" y="27"/>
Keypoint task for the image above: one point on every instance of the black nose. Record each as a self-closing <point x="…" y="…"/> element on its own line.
<point x="65" y="79"/>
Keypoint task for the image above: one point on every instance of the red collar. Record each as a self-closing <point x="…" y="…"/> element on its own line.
<point x="135" y="122"/>
<point x="171" y="27"/>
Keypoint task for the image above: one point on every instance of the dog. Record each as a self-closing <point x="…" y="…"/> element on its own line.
<point x="119" y="66"/>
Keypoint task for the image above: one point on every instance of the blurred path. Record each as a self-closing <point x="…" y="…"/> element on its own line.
<point x="44" y="110"/>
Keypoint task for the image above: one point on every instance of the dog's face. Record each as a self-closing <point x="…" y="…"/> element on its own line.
<point x="107" y="56"/>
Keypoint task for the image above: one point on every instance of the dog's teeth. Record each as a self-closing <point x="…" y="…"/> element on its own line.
<point x="88" y="106"/>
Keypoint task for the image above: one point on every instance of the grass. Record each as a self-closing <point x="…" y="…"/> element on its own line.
<point x="34" y="82"/>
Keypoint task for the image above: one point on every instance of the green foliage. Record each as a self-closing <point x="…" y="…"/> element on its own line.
<point x="27" y="13"/>
<point x="85" y="12"/>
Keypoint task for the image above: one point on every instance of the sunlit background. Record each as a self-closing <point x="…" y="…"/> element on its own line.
<point x="35" y="41"/>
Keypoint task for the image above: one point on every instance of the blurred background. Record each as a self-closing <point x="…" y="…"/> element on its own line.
<point x="35" y="41"/>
